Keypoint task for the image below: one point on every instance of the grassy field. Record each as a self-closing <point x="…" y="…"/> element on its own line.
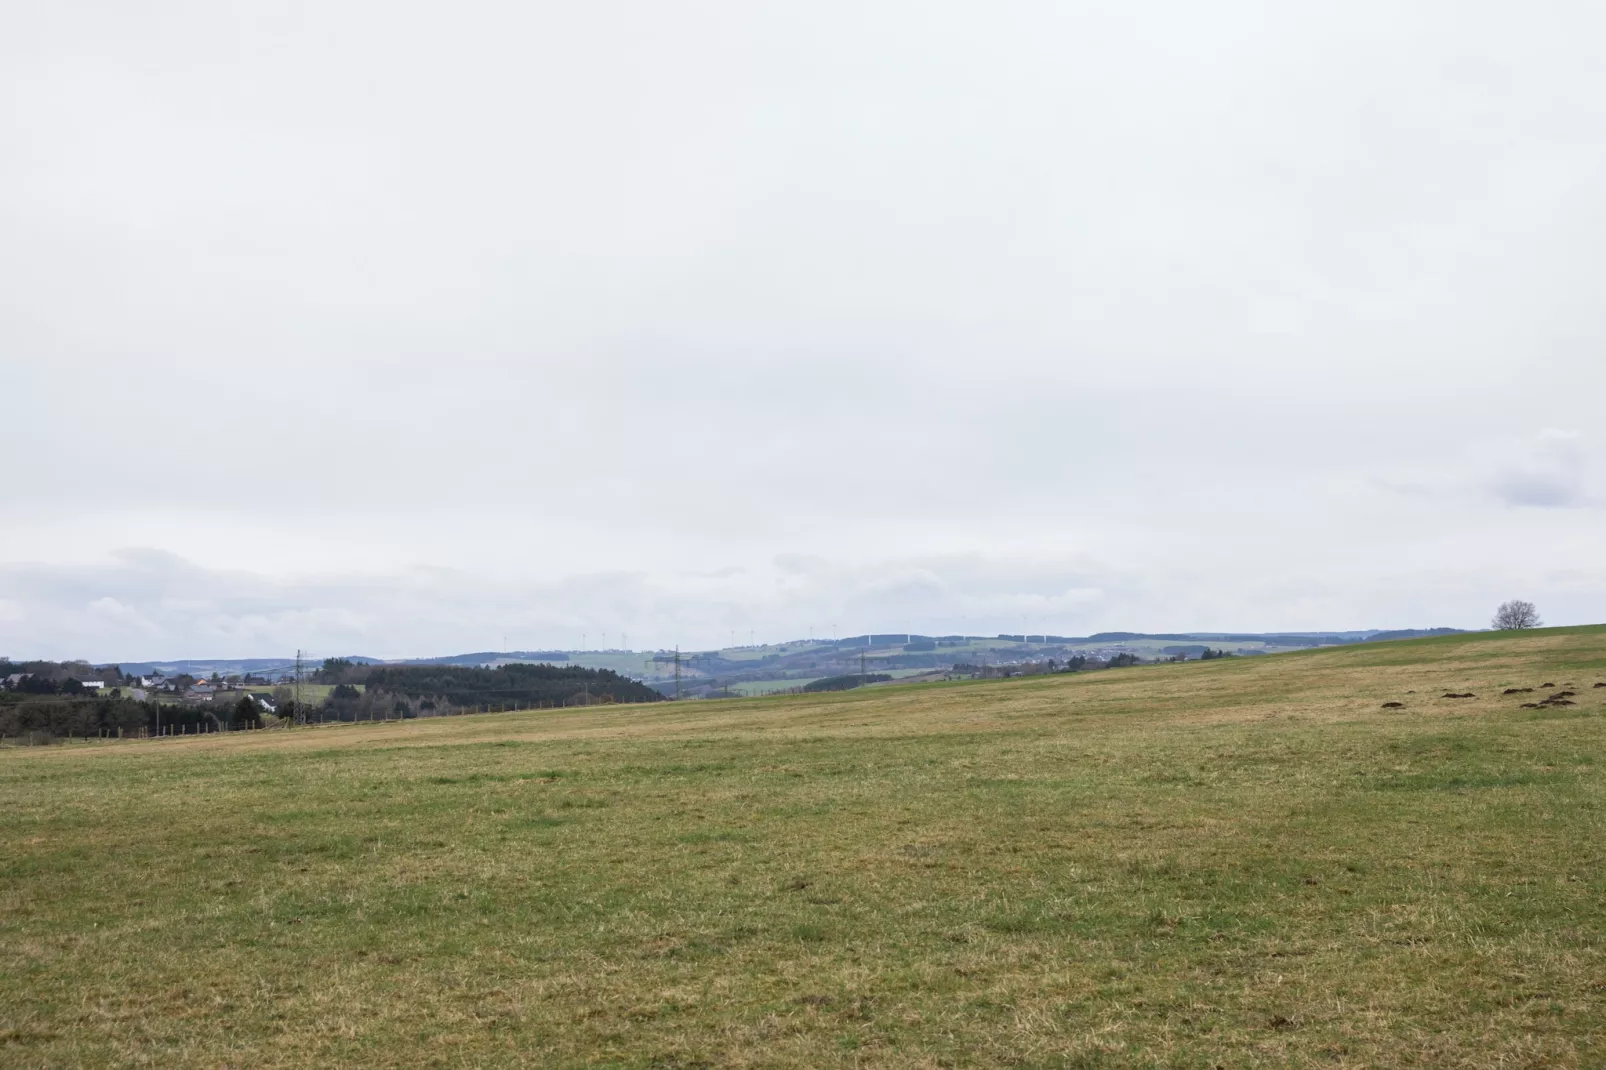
<point x="313" y="693"/>
<point x="1236" y="863"/>
<point x="770" y="687"/>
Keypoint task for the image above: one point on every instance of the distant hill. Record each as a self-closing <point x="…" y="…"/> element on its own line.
<point x="224" y="666"/>
<point x="1412" y="633"/>
<point x="799" y="657"/>
<point x="1269" y="638"/>
<point x="490" y="657"/>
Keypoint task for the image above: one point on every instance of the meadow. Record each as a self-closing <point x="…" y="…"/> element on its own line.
<point x="1247" y="862"/>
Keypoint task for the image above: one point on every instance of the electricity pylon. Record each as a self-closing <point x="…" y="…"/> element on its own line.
<point x="677" y="659"/>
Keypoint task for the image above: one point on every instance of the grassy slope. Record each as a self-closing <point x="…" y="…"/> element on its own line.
<point x="1233" y="863"/>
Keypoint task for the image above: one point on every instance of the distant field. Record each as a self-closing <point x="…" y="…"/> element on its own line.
<point x="1236" y="863"/>
<point x="630" y="664"/>
<point x="313" y="693"/>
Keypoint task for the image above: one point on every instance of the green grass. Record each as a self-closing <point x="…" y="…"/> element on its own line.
<point x="1239" y="863"/>
<point x="314" y="693"/>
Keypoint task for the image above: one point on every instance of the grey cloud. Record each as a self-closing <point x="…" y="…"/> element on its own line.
<point x="1546" y="469"/>
<point x="1550" y="475"/>
<point x="1546" y="490"/>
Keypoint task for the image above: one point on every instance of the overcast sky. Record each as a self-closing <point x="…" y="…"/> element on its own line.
<point x="401" y="328"/>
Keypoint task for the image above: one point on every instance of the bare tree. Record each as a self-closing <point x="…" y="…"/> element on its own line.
<point x="1516" y="615"/>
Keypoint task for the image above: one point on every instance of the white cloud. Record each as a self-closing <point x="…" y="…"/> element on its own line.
<point x="779" y="317"/>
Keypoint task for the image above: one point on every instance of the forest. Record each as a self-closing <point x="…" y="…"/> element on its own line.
<point x="509" y="686"/>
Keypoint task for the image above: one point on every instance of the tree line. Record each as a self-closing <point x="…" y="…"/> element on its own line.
<point x="847" y="682"/>
<point x="42" y="719"/>
<point x="507" y="685"/>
